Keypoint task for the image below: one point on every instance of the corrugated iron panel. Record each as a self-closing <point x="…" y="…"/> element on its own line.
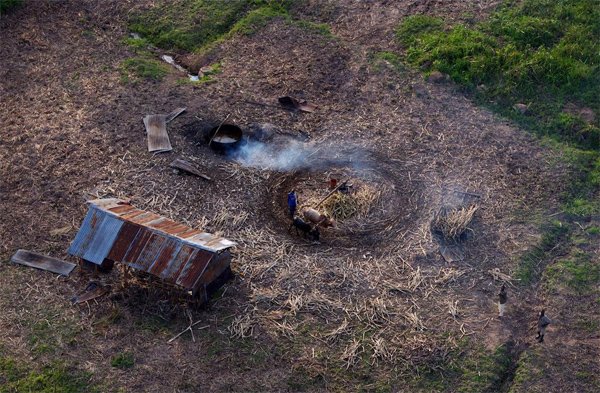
<point x="191" y="236"/>
<point x="178" y="262"/>
<point x="137" y="246"/>
<point x="150" y="252"/>
<point x="165" y="257"/>
<point x="193" y="269"/>
<point x="104" y="237"/>
<point x="174" y="252"/>
<point x="85" y="234"/>
<point x="128" y="233"/>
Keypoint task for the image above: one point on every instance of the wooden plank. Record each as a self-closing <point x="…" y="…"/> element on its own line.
<point x="174" y="114"/>
<point x="187" y="166"/>
<point x="156" y="128"/>
<point x="38" y="261"/>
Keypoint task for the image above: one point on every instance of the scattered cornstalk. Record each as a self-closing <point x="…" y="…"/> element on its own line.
<point x="452" y="223"/>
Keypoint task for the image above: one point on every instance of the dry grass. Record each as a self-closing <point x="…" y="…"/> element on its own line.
<point x="452" y="223"/>
<point x="357" y="203"/>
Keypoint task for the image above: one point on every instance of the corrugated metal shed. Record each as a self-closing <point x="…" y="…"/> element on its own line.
<point x="115" y="230"/>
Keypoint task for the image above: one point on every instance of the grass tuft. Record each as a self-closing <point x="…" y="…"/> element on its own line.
<point x="144" y="68"/>
<point x="15" y="377"/>
<point x="123" y="360"/>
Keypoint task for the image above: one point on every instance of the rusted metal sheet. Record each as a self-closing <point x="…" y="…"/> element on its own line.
<point x="116" y="231"/>
<point x="43" y="262"/>
<point x="95" y="237"/>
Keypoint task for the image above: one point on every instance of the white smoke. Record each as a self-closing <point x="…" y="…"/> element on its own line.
<point x="291" y="154"/>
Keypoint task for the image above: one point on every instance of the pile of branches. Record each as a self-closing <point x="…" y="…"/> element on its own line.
<point x="452" y="223"/>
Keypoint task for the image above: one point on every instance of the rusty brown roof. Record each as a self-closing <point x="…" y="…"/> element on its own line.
<point x="114" y="229"/>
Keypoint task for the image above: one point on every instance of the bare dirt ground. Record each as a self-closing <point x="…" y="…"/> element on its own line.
<point x="365" y="307"/>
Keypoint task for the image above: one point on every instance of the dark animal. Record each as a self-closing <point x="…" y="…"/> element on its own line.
<point x="306" y="229"/>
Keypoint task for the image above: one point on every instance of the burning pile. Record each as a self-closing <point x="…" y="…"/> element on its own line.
<point x="451" y="223"/>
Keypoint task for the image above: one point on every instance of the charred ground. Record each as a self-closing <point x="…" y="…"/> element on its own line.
<point x="373" y="307"/>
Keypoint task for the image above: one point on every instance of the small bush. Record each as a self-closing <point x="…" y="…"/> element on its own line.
<point x="123" y="360"/>
<point x="146" y="68"/>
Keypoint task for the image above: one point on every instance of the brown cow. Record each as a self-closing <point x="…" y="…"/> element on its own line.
<point x="320" y="219"/>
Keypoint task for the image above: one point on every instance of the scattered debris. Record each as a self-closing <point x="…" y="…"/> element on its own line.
<point x="452" y="253"/>
<point x="498" y="275"/>
<point x="92" y="291"/>
<point x="171" y="60"/>
<point x="38" y="261"/>
<point x="188" y="167"/>
<point x="437" y="77"/>
<point x="180" y="257"/>
<point x="189" y="328"/>
<point x="292" y="103"/>
<point x="61" y="231"/>
<point x="156" y="128"/>
<point x="174" y="114"/>
<point x="522" y="108"/>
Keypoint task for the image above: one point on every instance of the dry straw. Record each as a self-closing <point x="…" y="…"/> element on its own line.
<point x="452" y="223"/>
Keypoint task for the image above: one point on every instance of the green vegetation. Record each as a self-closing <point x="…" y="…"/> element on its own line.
<point x="6" y="5"/>
<point x="543" y="53"/>
<point x="50" y="333"/>
<point x="578" y="273"/>
<point x="15" y="377"/>
<point x="469" y="370"/>
<point x="531" y="264"/>
<point x="123" y="360"/>
<point x="194" y="24"/>
<point x="142" y="67"/>
<point x="390" y="58"/>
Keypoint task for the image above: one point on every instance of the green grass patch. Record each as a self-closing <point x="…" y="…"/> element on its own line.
<point x="123" y="360"/>
<point x="190" y="25"/>
<point x="542" y="53"/>
<point x="593" y="230"/>
<point x="318" y="28"/>
<point x="391" y="58"/>
<point x="580" y="273"/>
<point x="56" y="377"/>
<point x="144" y="68"/>
<point x="532" y="263"/>
<point x="469" y="369"/>
<point x="7" y="5"/>
<point x="50" y="334"/>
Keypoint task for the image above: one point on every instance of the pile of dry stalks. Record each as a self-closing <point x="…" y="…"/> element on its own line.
<point x="342" y="206"/>
<point x="452" y="223"/>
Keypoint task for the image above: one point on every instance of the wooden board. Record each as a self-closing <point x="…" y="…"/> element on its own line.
<point x="188" y="167"/>
<point x="156" y="128"/>
<point x="38" y="261"/>
<point x="174" y="114"/>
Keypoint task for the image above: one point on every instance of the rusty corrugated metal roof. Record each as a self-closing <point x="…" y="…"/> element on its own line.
<point x="115" y="230"/>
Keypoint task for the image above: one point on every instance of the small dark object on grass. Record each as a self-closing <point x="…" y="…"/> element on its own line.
<point x="92" y="291"/>
<point x="188" y="167"/>
<point x="292" y="103"/>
